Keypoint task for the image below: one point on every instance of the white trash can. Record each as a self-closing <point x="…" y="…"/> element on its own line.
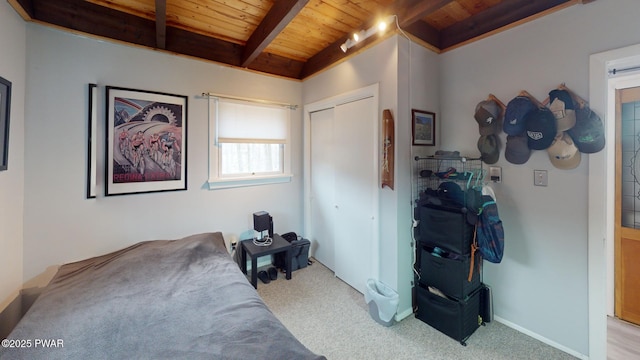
<point x="383" y="302"/>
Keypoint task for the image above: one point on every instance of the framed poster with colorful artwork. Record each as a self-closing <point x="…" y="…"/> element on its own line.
<point x="5" y="110"/>
<point x="423" y="126"/>
<point x="92" y="129"/>
<point x="146" y="142"/>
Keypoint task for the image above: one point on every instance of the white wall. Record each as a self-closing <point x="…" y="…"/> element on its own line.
<point x="60" y="225"/>
<point x="418" y="83"/>
<point x="387" y="64"/>
<point x="541" y="285"/>
<point x="12" y="68"/>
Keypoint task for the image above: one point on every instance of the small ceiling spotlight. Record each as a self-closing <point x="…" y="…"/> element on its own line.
<point x="361" y="35"/>
<point x="382" y="26"/>
<point x="347" y="45"/>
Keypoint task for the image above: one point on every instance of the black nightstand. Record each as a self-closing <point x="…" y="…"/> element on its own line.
<point x="247" y="247"/>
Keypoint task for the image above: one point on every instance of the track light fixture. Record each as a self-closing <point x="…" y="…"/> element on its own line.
<point x="361" y="35"/>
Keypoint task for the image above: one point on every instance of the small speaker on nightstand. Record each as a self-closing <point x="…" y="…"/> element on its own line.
<point x="262" y="221"/>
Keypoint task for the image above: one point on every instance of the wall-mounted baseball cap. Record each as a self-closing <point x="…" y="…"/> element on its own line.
<point x="488" y="115"/>
<point x="517" y="149"/>
<point x="541" y="128"/>
<point x="514" y="115"/>
<point x="588" y="133"/>
<point x="562" y="107"/>
<point x="489" y="148"/>
<point x="563" y="153"/>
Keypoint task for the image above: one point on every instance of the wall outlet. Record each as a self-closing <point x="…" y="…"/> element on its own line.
<point x="233" y="241"/>
<point x="540" y="178"/>
<point x="495" y="174"/>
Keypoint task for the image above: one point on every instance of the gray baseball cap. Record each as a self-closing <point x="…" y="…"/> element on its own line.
<point x="489" y="148"/>
<point x="517" y="149"/>
<point x="488" y="115"/>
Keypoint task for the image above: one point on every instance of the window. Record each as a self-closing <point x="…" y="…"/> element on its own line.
<point x="244" y="159"/>
<point x="249" y="144"/>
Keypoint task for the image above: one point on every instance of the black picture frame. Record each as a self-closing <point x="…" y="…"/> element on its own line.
<point x="423" y="127"/>
<point x="5" y="115"/>
<point x="92" y="127"/>
<point x="146" y="141"/>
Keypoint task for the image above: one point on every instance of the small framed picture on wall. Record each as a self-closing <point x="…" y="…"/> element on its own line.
<point x="423" y="126"/>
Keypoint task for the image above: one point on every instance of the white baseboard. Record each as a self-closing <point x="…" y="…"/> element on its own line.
<point x="541" y="338"/>
<point x="401" y="315"/>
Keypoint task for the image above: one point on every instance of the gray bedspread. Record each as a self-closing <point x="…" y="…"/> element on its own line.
<point x="162" y="299"/>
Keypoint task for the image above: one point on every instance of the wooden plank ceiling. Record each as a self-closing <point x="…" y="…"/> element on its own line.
<point x="289" y="38"/>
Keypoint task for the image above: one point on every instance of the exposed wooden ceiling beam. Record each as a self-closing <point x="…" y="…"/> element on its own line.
<point x="506" y="13"/>
<point x="161" y="23"/>
<point x="87" y="17"/>
<point x="426" y="33"/>
<point x="84" y="16"/>
<point x="277" y="65"/>
<point x="409" y="12"/>
<point x="278" y="17"/>
<point x="411" y="15"/>
<point x="204" y="47"/>
<point x="23" y="7"/>
<point x="414" y="11"/>
<point x="324" y="58"/>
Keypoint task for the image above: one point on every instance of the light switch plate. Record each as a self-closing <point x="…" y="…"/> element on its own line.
<point x="540" y="178"/>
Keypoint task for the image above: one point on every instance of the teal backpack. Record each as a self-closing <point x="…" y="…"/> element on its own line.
<point x="482" y="211"/>
<point x="489" y="237"/>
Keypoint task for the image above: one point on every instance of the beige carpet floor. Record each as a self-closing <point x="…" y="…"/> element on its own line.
<point x="332" y="319"/>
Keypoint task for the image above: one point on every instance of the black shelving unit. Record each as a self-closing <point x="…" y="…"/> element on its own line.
<point x="447" y="280"/>
<point x="431" y="171"/>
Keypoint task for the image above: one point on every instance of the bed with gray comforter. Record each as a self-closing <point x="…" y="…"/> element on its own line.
<point x="161" y="299"/>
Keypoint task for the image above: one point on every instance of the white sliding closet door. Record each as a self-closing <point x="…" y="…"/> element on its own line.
<point x="343" y="187"/>
<point x="355" y="182"/>
<point x="322" y="186"/>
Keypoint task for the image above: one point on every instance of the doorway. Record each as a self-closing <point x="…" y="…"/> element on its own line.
<point x="601" y="208"/>
<point x="627" y="205"/>
<point x="341" y="195"/>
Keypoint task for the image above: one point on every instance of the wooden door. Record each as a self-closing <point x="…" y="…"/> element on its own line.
<point x="627" y="207"/>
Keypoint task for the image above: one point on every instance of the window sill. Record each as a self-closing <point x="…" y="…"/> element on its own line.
<point x="227" y="183"/>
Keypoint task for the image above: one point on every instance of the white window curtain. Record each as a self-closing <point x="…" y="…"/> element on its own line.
<point x="250" y="143"/>
<point x="251" y="123"/>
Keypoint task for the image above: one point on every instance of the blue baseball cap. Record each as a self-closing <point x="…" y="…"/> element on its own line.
<point x="541" y="128"/>
<point x="514" y="115"/>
